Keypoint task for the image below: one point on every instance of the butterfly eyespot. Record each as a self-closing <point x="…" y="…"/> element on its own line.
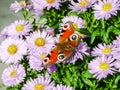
<point x="74" y="37"/>
<point x="61" y="57"/>
<point x="66" y="26"/>
<point x="46" y="60"/>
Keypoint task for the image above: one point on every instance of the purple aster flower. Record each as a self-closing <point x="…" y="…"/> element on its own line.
<point x="81" y="5"/>
<point x="12" y="51"/>
<point x="77" y="22"/>
<point x="104" y="9"/>
<point x="40" y="83"/>
<point x="17" y="6"/>
<point x="46" y="4"/>
<point x="13" y="75"/>
<point x="19" y="28"/>
<point x="62" y="87"/>
<point x="4" y="32"/>
<point x="38" y="8"/>
<point x="50" y="31"/>
<point x="117" y="41"/>
<point x="103" y="49"/>
<point x="101" y="67"/>
<point x="51" y="68"/>
<point x="79" y="52"/>
<point x="40" y="42"/>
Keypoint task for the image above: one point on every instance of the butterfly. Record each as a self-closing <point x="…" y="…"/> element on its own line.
<point x="68" y="42"/>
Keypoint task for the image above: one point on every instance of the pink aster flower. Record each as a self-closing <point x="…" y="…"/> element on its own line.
<point x="81" y="5"/>
<point x="40" y="42"/>
<point x="12" y="50"/>
<point x="40" y="83"/>
<point x="62" y="87"/>
<point x="103" y="49"/>
<point x="19" y="28"/>
<point x="104" y="9"/>
<point x="17" y="6"/>
<point x="13" y="75"/>
<point x="101" y="67"/>
<point x="77" y="22"/>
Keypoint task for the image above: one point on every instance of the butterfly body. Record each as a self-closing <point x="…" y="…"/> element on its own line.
<point x="68" y="41"/>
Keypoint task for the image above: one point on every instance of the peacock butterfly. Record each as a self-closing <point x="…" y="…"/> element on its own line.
<point x="68" y="41"/>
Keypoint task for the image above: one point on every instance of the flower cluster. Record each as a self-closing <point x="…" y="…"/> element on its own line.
<point x="45" y="34"/>
<point x="106" y="61"/>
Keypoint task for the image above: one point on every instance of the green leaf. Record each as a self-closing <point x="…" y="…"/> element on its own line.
<point x="83" y="31"/>
<point x="117" y="79"/>
<point x="93" y="36"/>
<point x="72" y="13"/>
<point x="88" y="82"/>
<point x="87" y="74"/>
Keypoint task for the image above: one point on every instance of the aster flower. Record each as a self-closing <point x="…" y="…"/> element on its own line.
<point x="38" y="8"/>
<point x="103" y="49"/>
<point x="17" y="6"/>
<point x="117" y="65"/>
<point x="12" y="51"/>
<point x="81" y="5"/>
<point x="40" y="42"/>
<point x="19" y="28"/>
<point x="117" y="41"/>
<point x="51" y="68"/>
<point x="79" y="52"/>
<point x="40" y="83"/>
<point x="101" y="67"/>
<point x="4" y="32"/>
<point x="46" y="4"/>
<point x="62" y="87"/>
<point x="36" y="60"/>
<point x="77" y="22"/>
<point x="13" y="75"/>
<point x="104" y="9"/>
<point x="50" y="31"/>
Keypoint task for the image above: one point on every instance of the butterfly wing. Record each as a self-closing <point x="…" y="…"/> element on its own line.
<point x="51" y="57"/>
<point x="66" y="32"/>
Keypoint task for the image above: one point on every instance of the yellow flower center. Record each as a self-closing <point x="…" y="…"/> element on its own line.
<point x="107" y="7"/>
<point x="12" y="49"/>
<point x="39" y="87"/>
<point x="83" y="3"/>
<point x="50" y="1"/>
<point x="75" y="26"/>
<point x="19" y="28"/>
<point x="13" y="73"/>
<point x="40" y="42"/>
<point x="104" y="66"/>
<point x="43" y="55"/>
<point x="22" y="4"/>
<point x="106" y="51"/>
